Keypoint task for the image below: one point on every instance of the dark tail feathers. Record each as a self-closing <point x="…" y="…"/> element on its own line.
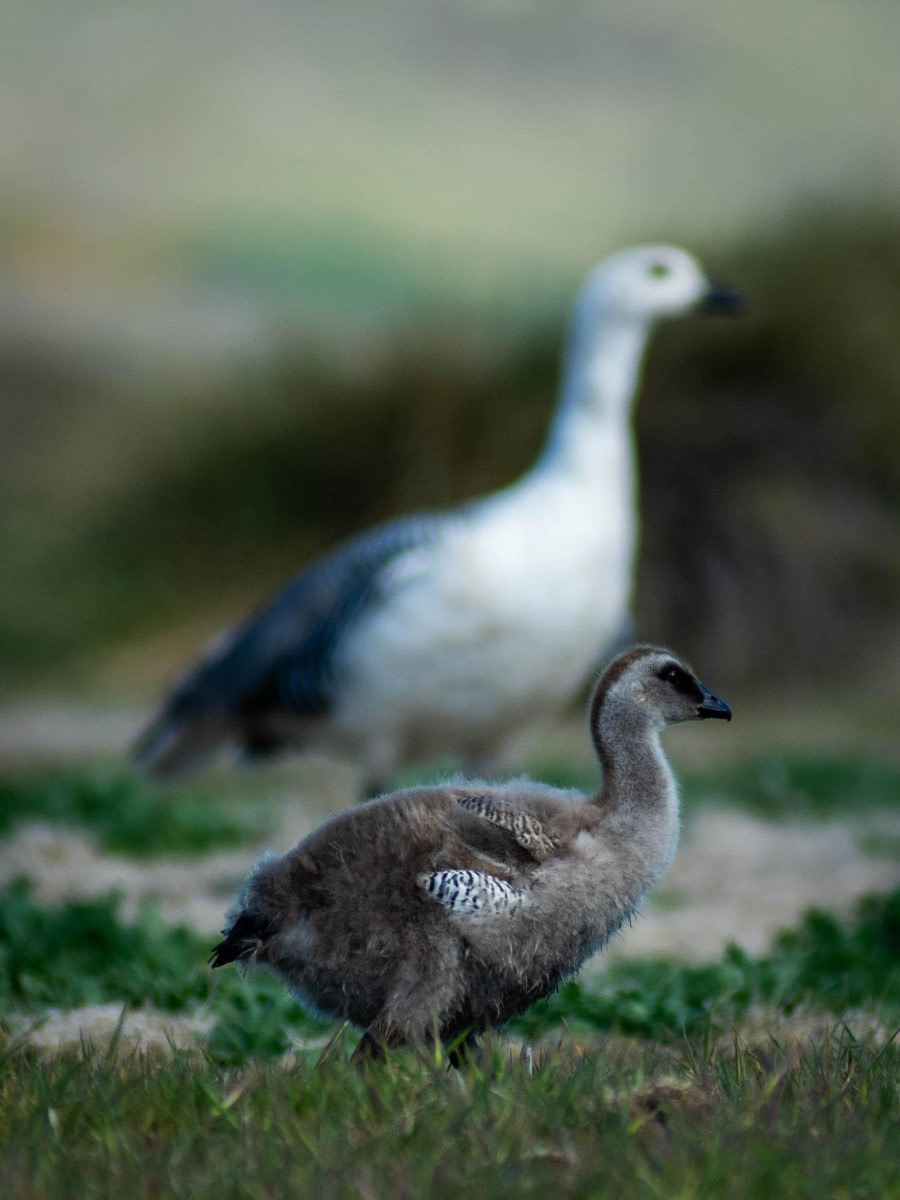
<point x="173" y="745"/>
<point x="241" y="942"/>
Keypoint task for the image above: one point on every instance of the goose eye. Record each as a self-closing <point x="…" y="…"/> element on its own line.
<point x="673" y="676"/>
<point x="660" y="270"/>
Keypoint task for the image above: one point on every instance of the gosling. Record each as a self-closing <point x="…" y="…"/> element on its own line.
<point x="451" y="909"/>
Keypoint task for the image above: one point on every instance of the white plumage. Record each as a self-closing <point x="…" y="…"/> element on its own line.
<point x="448" y="632"/>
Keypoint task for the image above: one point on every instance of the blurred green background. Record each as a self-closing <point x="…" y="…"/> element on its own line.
<point x="270" y="272"/>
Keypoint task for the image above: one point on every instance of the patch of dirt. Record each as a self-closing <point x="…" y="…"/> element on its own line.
<point x="64" y="864"/>
<point x="761" y="1028"/>
<point x="96" y="1025"/>
<point x="42" y="732"/>
<point x="739" y="878"/>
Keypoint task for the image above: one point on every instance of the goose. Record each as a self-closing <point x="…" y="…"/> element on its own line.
<point x="452" y="908"/>
<point x="443" y="633"/>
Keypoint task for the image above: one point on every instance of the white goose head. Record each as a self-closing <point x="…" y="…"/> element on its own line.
<point x="647" y="283"/>
<point x="619" y="304"/>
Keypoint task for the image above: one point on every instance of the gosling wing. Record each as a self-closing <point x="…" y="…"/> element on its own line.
<point x="473" y="893"/>
<point x="526" y="830"/>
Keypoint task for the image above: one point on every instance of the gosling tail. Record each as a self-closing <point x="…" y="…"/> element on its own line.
<point x="242" y="942"/>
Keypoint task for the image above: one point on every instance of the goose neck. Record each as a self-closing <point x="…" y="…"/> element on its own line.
<point x="601" y="373"/>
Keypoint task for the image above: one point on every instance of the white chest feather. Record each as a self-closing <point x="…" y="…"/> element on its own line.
<point x="502" y="620"/>
<point x="504" y="617"/>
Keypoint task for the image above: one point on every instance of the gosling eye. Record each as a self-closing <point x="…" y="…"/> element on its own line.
<point x="678" y="678"/>
<point x="659" y="270"/>
<point x="682" y="681"/>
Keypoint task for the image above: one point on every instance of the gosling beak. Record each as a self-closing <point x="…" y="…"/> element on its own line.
<point x="712" y="706"/>
<point x="721" y="299"/>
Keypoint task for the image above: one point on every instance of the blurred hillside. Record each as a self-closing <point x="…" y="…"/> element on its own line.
<point x="268" y="274"/>
<point x="768" y="448"/>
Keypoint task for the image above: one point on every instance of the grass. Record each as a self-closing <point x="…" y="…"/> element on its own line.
<point x="128" y="814"/>
<point x="800" y="785"/>
<point x="613" y="1121"/>
<point x="83" y="953"/>
<point x="648" y="1081"/>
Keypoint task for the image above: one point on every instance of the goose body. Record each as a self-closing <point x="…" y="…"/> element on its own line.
<point x="445" y="632"/>
<point x="445" y="661"/>
<point x="455" y="907"/>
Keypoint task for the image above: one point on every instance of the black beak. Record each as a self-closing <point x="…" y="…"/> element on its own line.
<point x="721" y="299"/>
<point x="712" y="706"/>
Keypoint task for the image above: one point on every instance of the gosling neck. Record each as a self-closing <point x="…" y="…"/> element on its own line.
<point x="600" y="376"/>
<point x="639" y="786"/>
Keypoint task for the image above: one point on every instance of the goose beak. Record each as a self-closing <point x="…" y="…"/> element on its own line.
<point x="721" y="299"/>
<point x="712" y="706"/>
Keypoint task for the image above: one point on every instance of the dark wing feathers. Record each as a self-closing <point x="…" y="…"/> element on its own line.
<point x="303" y="679"/>
<point x="281" y="657"/>
<point x="501" y="832"/>
<point x="490" y="841"/>
<point x="524" y="829"/>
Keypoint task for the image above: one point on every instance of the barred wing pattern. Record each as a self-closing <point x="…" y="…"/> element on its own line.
<point x="473" y="893"/>
<point x="524" y="828"/>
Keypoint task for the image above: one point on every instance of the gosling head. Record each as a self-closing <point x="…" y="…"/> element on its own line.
<point x="655" y="685"/>
<point x="647" y="283"/>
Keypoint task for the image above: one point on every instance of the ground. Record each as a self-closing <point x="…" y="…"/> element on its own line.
<point x="701" y="1055"/>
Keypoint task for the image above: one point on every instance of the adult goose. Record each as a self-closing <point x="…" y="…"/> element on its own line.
<point x="452" y="908"/>
<point x="443" y="633"/>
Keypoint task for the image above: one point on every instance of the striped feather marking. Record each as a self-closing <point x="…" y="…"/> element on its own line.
<point x="526" y="829"/>
<point x="473" y="893"/>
